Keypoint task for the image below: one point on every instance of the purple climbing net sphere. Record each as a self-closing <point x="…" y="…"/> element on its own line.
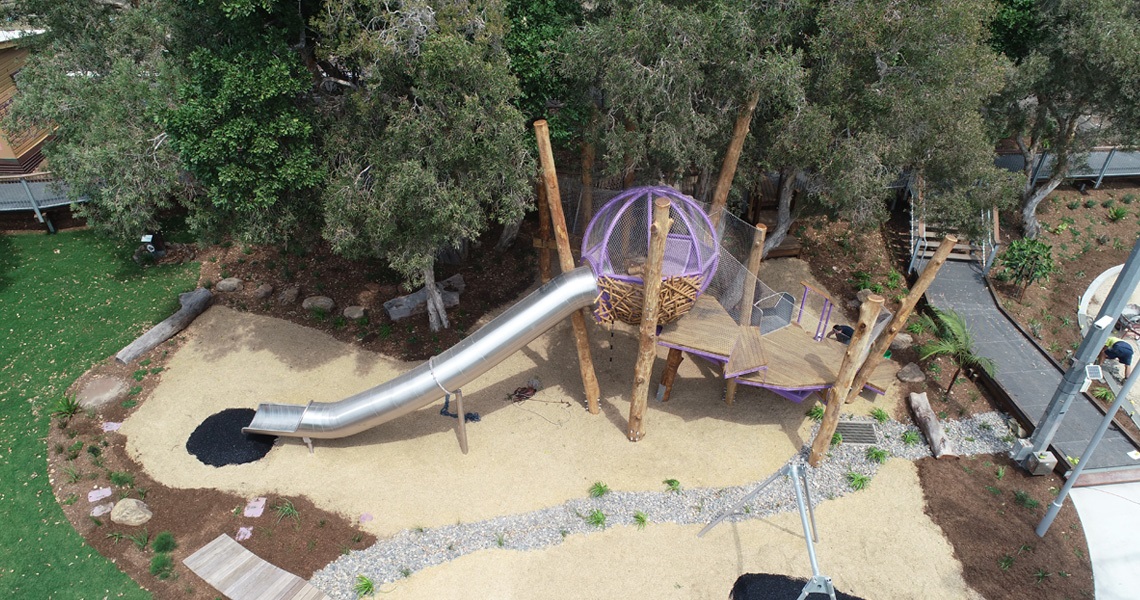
<point x="616" y="242"/>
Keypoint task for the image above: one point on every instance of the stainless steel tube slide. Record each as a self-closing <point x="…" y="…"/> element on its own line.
<point x="454" y="368"/>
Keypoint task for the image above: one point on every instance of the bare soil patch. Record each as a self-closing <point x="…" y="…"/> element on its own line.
<point x="989" y="508"/>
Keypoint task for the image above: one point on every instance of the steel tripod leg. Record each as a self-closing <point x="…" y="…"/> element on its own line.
<point x="743" y="501"/>
<point x="818" y="583"/>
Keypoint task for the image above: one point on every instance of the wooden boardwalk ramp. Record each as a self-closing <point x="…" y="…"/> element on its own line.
<point x="242" y="575"/>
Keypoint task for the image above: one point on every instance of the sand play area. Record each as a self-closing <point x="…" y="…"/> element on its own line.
<point x="410" y="474"/>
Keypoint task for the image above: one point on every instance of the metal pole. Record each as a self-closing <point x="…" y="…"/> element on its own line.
<point x="1086" y="354"/>
<point x="1055" y="507"/>
<point x="1104" y="168"/>
<point x="809" y="533"/>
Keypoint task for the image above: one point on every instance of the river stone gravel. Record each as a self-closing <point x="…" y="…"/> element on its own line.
<point x="412" y="550"/>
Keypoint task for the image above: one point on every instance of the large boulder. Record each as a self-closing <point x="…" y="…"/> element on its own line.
<point x="902" y="341"/>
<point x="103" y="390"/>
<point x="323" y="303"/>
<point x="131" y="512"/>
<point x="229" y="284"/>
<point x="912" y="373"/>
<point x="263" y="291"/>
<point x="353" y="313"/>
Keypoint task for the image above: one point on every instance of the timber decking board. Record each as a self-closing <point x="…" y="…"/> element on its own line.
<point x="242" y="575"/>
<point x="792" y="359"/>
<point x="707" y="328"/>
<point x="748" y="354"/>
<point x="797" y="361"/>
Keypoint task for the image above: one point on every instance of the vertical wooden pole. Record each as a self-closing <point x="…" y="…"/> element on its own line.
<point x="647" y="344"/>
<point x="997" y="227"/>
<point x="755" y="255"/>
<point x="880" y="346"/>
<point x="868" y="312"/>
<point x="670" y="374"/>
<point x="543" y="232"/>
<point x="732" y="157"/>
<point x="566" y="260"/>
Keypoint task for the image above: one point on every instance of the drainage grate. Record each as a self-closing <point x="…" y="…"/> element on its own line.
<point x="857" y="432"/>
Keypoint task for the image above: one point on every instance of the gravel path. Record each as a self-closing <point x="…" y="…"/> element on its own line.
<point x="412" y="550"/>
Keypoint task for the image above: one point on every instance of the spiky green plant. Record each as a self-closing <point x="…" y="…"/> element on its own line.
<point x="857" y="481"/>
<point x="877" y="454"/>
<point x="955" y="340"/>
<point x="596" y="518"/>
<point x="364" y="586"/>
<point x="673" y="485"/>
<point x="599" y="489"/>
<point x="641" y="519"/>
<point x="880" y="415"/>
<point x="815" y="413"/>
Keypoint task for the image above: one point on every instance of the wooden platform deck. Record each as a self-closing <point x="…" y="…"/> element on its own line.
<point x="242" y="575"/>
<point x="790" y="358"/>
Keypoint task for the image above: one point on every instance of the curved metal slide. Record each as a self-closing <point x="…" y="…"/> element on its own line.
<point x="452" y="369"/>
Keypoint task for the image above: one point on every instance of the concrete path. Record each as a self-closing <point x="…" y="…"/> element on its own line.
<point x="1110" y="515"/>
<point x="1024" y="372"/>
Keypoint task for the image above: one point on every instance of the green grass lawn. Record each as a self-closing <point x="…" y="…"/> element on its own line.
<point x="66" y="302"/>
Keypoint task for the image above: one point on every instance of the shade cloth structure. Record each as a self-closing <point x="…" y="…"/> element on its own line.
<point x="616" y="244"/>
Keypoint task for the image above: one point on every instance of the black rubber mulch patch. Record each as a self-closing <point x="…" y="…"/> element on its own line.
<point x="765" y="586"/>
<point x="218" y="441"/>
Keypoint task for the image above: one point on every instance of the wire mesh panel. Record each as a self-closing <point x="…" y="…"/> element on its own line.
<point x="616" y="246"/>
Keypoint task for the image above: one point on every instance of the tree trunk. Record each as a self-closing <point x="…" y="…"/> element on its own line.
<point x="732" y="157"/>
<point x="783" y="210"/>
<point x="924" y="416"/>
<point x="437" y="313"/>
<point x="510" y="232"/>
<point x="193" y="304"/>
<point x="1030" y="203"/>
<point x="953" y="379"/>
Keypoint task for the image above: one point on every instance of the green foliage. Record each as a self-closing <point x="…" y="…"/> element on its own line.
<point x="535" y="28"/>
<point x="65" y="407"/>
<point x="910" y="437"/>
<point x="836" y="438"/>
<point x="164" y="542"/>
<point x="956" y="341"/>
<point x="1104" y="394"/>
<point x="285" y="510"/>
<point x="599" y="489"/>
<point x="122" y="478"/>
<point x="877" y="454"/>
<point x="815" y="413"/>
<point x="1117" y="213"/>
<point x="1005" y="562"/>
<point x="363" y="586"/>
<point x="673" y="485"/>
<point x="597" y="518"/>
<point x="162" y="565"/>
<point x="1000" y="473"/>
<point x="1028" y="260"/>
<point x="880" y="415"/>
<point x="640" y="519"/>
<point x="1073" y="204"/>
<point x="1024" y="499"/>
<point x="857" y="481"/>
<point x="140" y="538"/>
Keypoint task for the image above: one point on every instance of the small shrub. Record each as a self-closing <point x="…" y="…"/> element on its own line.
<point x="164" y="542"/>
<point x="640" y="519"/>
<point x="340" y="322"/>
<point x="1000" y="473"/>
<point x="1117" y="213"/>
<point x="70" y="499"/>
<point x="1041" y="575"/>
<point x="815" y="413"/>
<point x="673" y="485"/>
<point x="1090" y="203"/>
<point x="65" y="407"/>
<point x="363" y="586"/>
<point x="1108" y="202"/>
<point x="162" y="565"/>
<point x="993" y="490"/>
<point x="597" y="518"/>
<point x="599" y="489"/>
<point x="1103" y="394"/>
<point x="140" y="539"/>
<point x="1005" y="562"/>
<point x="94" y="451"/>
<point x="857" y="481"/>
<point x="1024" y="499"/>
<point x="880" y="415"/>
<point x="877" y="455"/>
<point x="122" y="478"/>
<point x="285" y="510"/>
<point x="1073" y="204"/>
<point x="910" y="438"/>
<point x="836" y="438"/>
<point x="1128" y="198"/>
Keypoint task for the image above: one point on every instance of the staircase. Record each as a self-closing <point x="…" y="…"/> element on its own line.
<point x="926" y="235"/>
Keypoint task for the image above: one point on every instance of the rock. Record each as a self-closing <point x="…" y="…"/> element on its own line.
<point x="902" y="341"/>
<point x="229" y="284"/>
<point x="318" y="303"/>
<point x="863" y="295"/>
<point x="263" y="291"/>
<point x="416" y="302"/>
<point x="129" y="511"/>
<point x="854" y="304"/>
<point x="354" y="312"/>
<point x="289" y="295"/>
<point x="103" y="390"/>
<point x="912" y="373"/>
<point x="102" y="509"/>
